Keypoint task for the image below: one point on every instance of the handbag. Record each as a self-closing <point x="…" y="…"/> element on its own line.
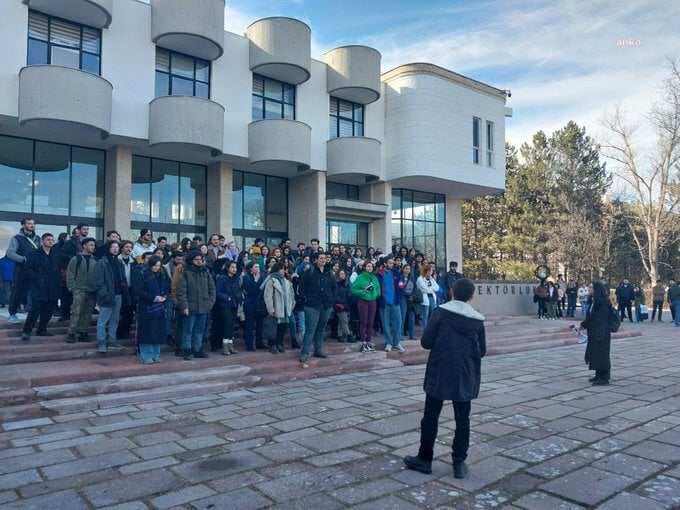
<point x="613" y="321"/>
<point x="269" y="325"/>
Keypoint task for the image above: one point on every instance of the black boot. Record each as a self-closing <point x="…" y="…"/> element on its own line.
<point x="459" y="469"/>
<point x="418" y="464"/>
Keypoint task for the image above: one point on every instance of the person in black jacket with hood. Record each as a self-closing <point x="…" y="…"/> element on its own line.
<point x="456" y="339"/>
<point x="43" y="275"/>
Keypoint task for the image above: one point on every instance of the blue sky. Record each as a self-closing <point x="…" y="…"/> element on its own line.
<point x="559" y="58"/>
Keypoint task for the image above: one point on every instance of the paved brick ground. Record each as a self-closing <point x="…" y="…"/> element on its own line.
<point x="542" y="438"/>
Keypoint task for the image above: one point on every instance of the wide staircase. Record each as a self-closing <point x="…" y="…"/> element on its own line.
<point x="46" y="375"/>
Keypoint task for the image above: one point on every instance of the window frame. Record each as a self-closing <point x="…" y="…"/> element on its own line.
<point x="342" y="191"/>
<point x="489" y="143"/>
<point x="194" y="81"/>
<point x="269" y="100"/>
<point x="358" y="126"/>
<point x="476" y="140"/>
<point x="50" y="44"/>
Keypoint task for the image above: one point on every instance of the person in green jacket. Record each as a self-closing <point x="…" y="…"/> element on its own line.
<point x="366" y="289"/>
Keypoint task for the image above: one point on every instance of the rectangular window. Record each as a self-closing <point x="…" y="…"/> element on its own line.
<point x="259" y="206"/>
<point x="341" y="191"/>
<point x="476" y="128"/>
<point x="59" y="42"/>
<point x="181" y="75"/>
<point x="272" y="99"/>
<point x="489" y="143"/>
<point x="346" y="118"/>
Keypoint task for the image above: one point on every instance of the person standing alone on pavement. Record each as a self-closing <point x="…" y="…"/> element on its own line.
<point x="456" y="339"/>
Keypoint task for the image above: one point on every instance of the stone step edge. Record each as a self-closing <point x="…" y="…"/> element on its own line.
<point x="141" y="382"/>
<point x="92" y="402"/>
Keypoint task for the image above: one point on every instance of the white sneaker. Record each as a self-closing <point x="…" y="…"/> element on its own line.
<point x="13" y="319"/>
<point x="388" y="348"/>
<point x="400" y="349"/>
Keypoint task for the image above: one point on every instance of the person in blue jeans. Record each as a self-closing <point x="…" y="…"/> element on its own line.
<point x="391" y="289"/>
<point x="407" y="302"/>
<point x="318" y="290"/>
<point x="429" y="287"/>
<point x="674" y="300"/>
<point x="196" y="296"/>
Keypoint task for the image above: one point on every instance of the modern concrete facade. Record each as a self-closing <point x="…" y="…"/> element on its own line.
<point x="240" y="126"/>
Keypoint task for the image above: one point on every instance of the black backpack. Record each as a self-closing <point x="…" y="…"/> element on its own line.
<point x="613" y="321"/>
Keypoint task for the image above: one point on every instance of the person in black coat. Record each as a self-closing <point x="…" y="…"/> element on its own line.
<point x="599" y="337"/>
<point x="625" y="294"/>
<point x="43" y="275"/>
<point x="227" y="298"/>
<point x="456" y="339"/>
<point x="152" y="288"/>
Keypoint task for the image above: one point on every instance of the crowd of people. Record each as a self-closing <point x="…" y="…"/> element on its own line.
<point x="194" y="294"/>
<point x="558" y="299"/>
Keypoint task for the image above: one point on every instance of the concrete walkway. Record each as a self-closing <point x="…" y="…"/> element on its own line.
<point x="543" y="437"/>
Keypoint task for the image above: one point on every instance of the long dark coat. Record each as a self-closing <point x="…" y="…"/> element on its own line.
<point x="457" y="341"/>
<point x="43" y="274"/>
<point x="599" y="337"/>
<point x="150" y="330"/>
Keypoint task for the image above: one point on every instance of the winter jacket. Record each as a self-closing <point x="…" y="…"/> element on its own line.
<point x="674" y="293"/>
<point x="318" y="288"/>
<point x="43" y="274"/>
<point x="428" y="286"/>
<point x="21" y="245"/>
<point x="79" y="272"/>
<point x="398" y="289"/>
<point x="625" y="293"/>
<point x="7" y="269"/>
<point x="274" y="297"/>
<point x="227" y="292"/>
<point x="103" y="281"/>
<point x="456" y="339"/>
<point x="658" y="292"/>
<point x="196" y="290"/>
<point x="583" y="293"/>
<point x="366" y="287"/>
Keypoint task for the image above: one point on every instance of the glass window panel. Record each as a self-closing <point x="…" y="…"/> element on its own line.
<point x="162" y="84"/>
<point x="358" y="129"/>
<point x="64" y="33"/>
<point x="237" y="200"/>
<point x="182" y="65"/>
<point x="87" y="171"/>
<point x="90" y="63"/>
<point x="362" y="234"/>
<point x="475" y="132"/>
<point x="65" y="57"/>
<point x="202" y="90"/>
<point x="475" y="155"/>
<point x="258" y="85"/>
<point x="334" y="106"/>
<point x="440" y="236"/>
<point x="162" y="60"/>
<point x="407" y="233"/>
<point x="192" y="194"/>
<point x="440" y="208"/>
<point x="353" y="192"/>
<point x="333" y="127"/>
<point x="289" y="111"/>
<point x="165" y="205"/>
<point x="345" y="109"/>
<point x="91" y="40"/>
<point x="273" y="89"/>
<point x="359" y="113"/>
<point x="16" y="175"/>
<point x="258" y="108"/>
<point x="335" y="190"/>
<point x="288" y="93"/>
<point x="182" y="87"/>
<point x="396" y="231"/>
<point x="140" y="202"/>
<point x="51" y="178"/>
<point x="396" y="204"/>
<point x="272" y="110"/>
<point x="37" y="52"/>
<point x="202" y="70"/>
<point x="253" y="201"/>
<point x="407" y="209"/>
<point x="277" y="204"/>
<point x="37" y="25"/>
<point x="345" y="128"/>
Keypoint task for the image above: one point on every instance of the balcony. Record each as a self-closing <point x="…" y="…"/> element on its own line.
<point x="187" y="120"/>
<point x="354" y="160"/>
<point x="284" y="144"/>
<point x="353" y="73"/>
<point x="56" y="93"/>
<point x="280" y="48"/>
<point x="193" y="27"/>
<point x="94" y="13"/>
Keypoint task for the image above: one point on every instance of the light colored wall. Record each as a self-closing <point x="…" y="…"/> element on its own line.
<point x="428" y="130"/>
<point x="313" y="109"/>
<point x="220" y="186"/>
<point x="307" y="207"/>
<point x="380" y="234"/>
<point x="232" y="87"/>
<point x="129" y="62"/>
<point x="117" y="192"/>
<point x="13" y="40"/>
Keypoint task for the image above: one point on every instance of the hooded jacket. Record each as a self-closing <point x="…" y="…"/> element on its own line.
<point x="456" y="339"/>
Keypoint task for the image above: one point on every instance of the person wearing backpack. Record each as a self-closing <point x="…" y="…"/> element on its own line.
<point x="78" y="276"/>
<point x="598" y="324"/>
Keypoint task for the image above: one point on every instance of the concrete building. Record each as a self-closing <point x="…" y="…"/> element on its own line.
<point x="130" y="114"/>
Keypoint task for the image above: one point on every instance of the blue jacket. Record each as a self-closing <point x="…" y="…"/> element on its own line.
<point x="395" y="275"/>
<point x="6" y="269"/>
